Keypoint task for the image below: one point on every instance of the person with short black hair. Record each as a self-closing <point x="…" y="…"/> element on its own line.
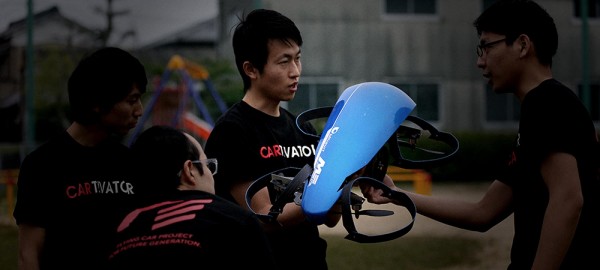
<point x="257" y="136"/>
<point x="550" y="183"/>
<point x="177" y="222"/>
<point x="71" y="188"/>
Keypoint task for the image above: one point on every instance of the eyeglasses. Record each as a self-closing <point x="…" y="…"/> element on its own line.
<point x="210" y="163"/>
<point x="481" y="48"/>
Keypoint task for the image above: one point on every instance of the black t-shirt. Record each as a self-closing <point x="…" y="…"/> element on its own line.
<point x="190" y="230"/>
<point x="552" y="120"/>
<point x="76" y="193"/>
<point x="249" y="144"/>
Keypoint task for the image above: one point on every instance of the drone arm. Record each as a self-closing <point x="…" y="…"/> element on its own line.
<point x="281" y="209"/>
<point x="413" y="134"/>
<point x="395" y="196"/>
<point x="259" y="204"/>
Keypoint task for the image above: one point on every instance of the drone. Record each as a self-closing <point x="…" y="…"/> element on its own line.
<point x="370" y="128"/>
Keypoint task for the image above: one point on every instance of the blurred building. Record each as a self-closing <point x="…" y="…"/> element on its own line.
<point x="55" y="35"/>
<point x="53" y="32"/>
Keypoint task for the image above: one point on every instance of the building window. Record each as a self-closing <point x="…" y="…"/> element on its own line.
<point x="395" y="7"/>
<point x="313" y="95"/>
<point x="593" y="7"/>
<point x="426" y="96"/>
<point x="501" y="107"/>
<point x="594" y="102"/>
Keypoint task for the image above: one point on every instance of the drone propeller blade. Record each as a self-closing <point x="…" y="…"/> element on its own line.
<point x="421" y="148"/>
<point x="375" y="213"/>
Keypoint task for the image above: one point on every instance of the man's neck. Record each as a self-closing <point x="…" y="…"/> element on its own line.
<point x="265" y="105"/>
<point x="89" y="135"/>
<point x="531" y="80"/>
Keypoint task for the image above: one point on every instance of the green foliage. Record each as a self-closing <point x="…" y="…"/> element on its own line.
<point x="53" y="68"/>
<point x="226" y="79"/>
<point x="54" y="65"/>
<point x="479" y="157"/>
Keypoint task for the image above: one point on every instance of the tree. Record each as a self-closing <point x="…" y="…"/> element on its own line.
<point x="105" y="34"/>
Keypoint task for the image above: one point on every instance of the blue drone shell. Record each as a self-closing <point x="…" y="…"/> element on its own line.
<point x="364" y="117"/>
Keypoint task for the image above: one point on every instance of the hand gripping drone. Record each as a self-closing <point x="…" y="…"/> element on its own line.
<point x="365" y="129"/>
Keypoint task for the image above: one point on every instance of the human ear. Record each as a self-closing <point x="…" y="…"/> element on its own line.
<point x="249" y="70"/>
<point x="187" y="175"/>
<point x="525" y="44"/>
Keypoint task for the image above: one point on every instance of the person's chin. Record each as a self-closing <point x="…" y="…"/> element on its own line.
<point x="289" y="97"/>
<point x="122" y="132"/>
<point x="498" y="89"/>
<point x="131" y="126"/>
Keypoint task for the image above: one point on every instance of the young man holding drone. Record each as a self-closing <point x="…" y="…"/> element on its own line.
<point x="551" y="183"/>
<point x="256" y="136"/>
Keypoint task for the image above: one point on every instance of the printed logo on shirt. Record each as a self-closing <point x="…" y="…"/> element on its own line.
<point x="99" y="187"/>
<point x="513" y="155"/>
<point x="167" y="213"/>
<point x="153" y="240"/>
<point x="171" y="212"/>
<point x="512" y="159"/>
<point x="298" y="151"/>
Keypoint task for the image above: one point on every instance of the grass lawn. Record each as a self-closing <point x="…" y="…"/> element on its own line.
<point x="407" y="252"/>
<point x="8" y="247"/>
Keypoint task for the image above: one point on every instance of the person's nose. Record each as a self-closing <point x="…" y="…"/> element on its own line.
<point x="480" y="61"/>
<point x="296" y="69"/>
<point x="138" y="109"/>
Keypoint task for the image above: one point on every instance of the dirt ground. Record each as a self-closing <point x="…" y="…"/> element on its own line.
<point x="497" y="241"/>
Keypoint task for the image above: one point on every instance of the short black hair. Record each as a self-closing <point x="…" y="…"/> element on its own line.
<point x="159" y="153"/>
<point x="252" y="35"/>
<point x="102" y="79"/>
<point x="515" y="17"/>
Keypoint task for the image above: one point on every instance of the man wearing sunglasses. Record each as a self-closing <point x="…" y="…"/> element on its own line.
<point x="178" y="222"/>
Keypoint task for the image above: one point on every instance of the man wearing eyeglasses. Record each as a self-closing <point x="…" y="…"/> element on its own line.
<point x="178" y="222"/>
<point x="550" y="182"/>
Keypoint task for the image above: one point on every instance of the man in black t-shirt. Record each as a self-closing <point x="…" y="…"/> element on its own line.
<point x="71" y="189"/>
<point x="177" y="222"/>
<point x="256" y="136"/>
<point x="550" y="183"/>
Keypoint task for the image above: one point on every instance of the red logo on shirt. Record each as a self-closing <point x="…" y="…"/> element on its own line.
<point x="173" y="212"/>
<point x="287" y="151"/>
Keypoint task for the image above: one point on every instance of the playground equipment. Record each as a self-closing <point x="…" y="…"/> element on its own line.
<point x="8" y="182"/>
<point x="175" y="109"/>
